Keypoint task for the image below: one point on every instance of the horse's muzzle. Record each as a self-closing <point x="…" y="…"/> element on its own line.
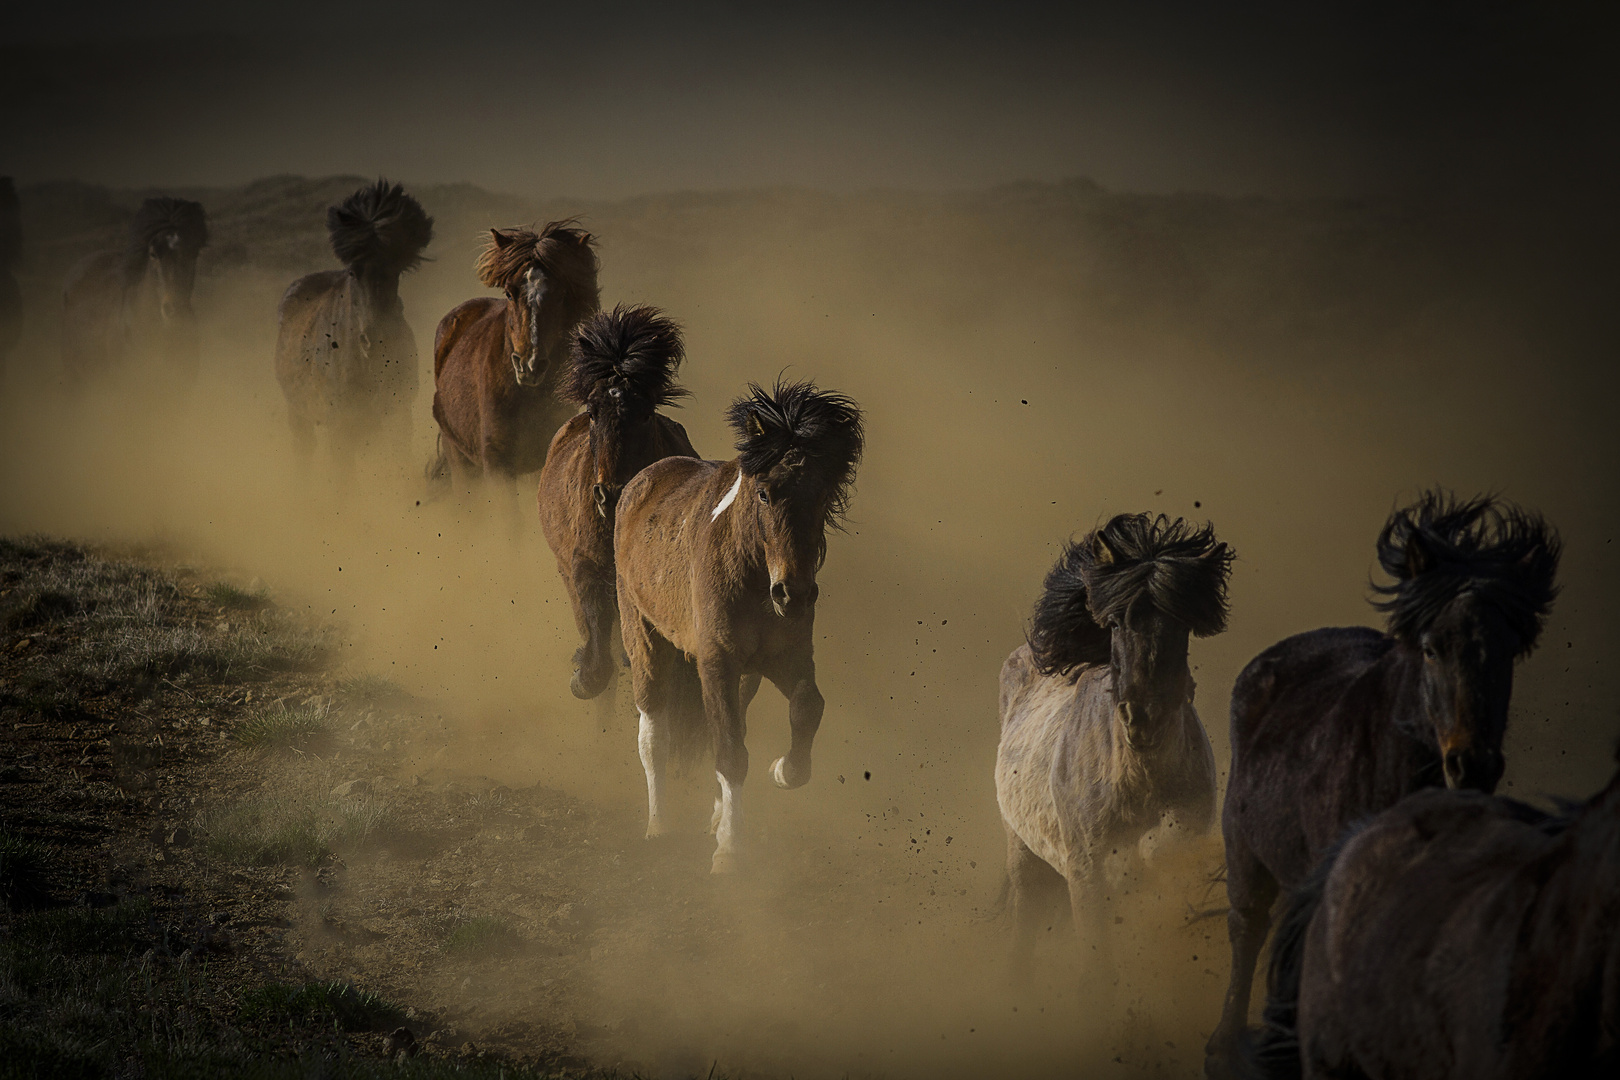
<point x="1474" y="770"/>
<point x="791" y="601"/>
<point x="522" y="374"/>
<point x="607" y="498"/>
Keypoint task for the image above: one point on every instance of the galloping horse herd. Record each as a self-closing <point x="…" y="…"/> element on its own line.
<point x="1427" y="928"/>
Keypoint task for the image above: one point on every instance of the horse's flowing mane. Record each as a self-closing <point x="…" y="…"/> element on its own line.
<point x="379" y="228"/>
<point x="161" y="215"/>
<point x="802" y="427"/>
<point x="10" y="224"/>
<point x="1439" y="548"/>
<point x="633" y="349"/>
<point x="1180" y="568"/>
<point x="561" y="251"/>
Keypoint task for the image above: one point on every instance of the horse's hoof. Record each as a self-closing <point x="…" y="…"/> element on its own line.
<point x="781" y="777"/>
<point x="725" y="862"/>
<point x="578" y="688"/>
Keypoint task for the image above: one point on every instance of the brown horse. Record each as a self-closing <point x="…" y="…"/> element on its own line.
<point x="497" y="362"/>
<point x="1333" y="726"/>
<point x="623" y="370"/>
<point x="11" y="306"/>
<point x="1101" y="749"/>
<point x="345" y="357"/>
<point x="717" y="563"/>
<point x="1456" y="936"/>
<point x="135" y="304"/>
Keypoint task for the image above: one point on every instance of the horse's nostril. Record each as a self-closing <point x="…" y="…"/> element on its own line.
<point x="1456" y="767"/>
<point x="779" y="592"/>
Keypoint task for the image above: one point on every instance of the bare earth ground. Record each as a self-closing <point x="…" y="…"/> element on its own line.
<point x="261" y="867"/>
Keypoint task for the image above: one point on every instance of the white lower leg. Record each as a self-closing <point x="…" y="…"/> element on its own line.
<point x="714" y="820"/>
<point x="725" y="833"/>
<point x="648" y="742"/>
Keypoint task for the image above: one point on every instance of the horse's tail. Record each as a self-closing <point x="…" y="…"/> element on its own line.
<point x="624" y="361"/>
<point x="1272" y="1050"/>
<point x="691" y="737"/>
<point x="379" y="228"/>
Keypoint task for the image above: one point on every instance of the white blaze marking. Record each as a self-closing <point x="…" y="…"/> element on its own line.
<point x="725" y="835"/>
<point x="730" y="497"/>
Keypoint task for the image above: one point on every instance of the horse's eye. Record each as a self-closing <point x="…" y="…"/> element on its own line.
<point x="764" y="496"/>
<point x="1428" y="652"/>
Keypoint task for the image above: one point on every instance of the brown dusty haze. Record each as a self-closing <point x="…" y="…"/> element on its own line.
<point x="1032" y="359"/>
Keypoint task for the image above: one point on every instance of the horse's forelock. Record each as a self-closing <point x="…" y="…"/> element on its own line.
<point x="1180" y="568"/>
<point x="637" y="347"/>
<point x="561" y="250"/>
<point x="163" y="214"/>
<point x="1440" y="548"/>
<point x="822" y="429"/>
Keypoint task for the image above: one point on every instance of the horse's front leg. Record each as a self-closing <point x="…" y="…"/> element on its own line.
<point x="723" y="704"/>
<point x="805" y="706"/>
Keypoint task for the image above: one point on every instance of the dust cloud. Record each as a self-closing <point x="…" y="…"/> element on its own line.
<point x="1032" y="359"/>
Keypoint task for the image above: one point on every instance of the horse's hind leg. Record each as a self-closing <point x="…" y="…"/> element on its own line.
<point x="805" y="706"/>
<point x="1034" y="892"/>
<point x="1251" y="890"/>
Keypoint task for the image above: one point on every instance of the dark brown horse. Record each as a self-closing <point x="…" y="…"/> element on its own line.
<point x="11" y="306"/>
<point x="623" y="370"/>
<point x="497" y="361"/>
<point x="717" y="562"/>
<point x="1101" y="749"/>
<point x="135" y="304"/>
<point x="345" y="358"/>
<point x="1335" y="725"/>
<point x="1454" y="937"/>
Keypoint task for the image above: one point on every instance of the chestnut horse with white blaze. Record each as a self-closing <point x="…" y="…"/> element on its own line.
<point x="497" y="360"/>
<point x="717" y="587"/>
<point x="1101" y="749"/>
<point x="623" y="371"/>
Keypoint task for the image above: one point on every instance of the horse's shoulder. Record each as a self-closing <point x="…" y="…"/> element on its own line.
<point x="1310" y="664"/>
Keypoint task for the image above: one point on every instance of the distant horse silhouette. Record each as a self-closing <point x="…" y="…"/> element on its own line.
<point x="497" y="362"/>
<point x="345" y="358"/>
<point x="1101" y="749"/>
<point x="1458" y="936"/>
<point x="623" y="370"/>
<point x="11" y="306"/>
<point x="1334" y="725"/>
<point x="135" y="305"/>
<point x="717" y="562"/>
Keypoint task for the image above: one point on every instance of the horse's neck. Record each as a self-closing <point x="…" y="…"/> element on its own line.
<point x="1390" y="703"/>
<point x="374" y="296"/>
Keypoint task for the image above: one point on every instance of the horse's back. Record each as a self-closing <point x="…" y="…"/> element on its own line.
<point x="1412" y="961"/>
<point x="671" y="441"/>
<point x="1297" y="681"/>
<point x="452" y="329"/>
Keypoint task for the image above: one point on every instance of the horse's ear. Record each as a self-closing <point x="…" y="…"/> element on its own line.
<point x="1418" y="556"/>
<point x="500" y="238"/>
<point x="1101" y="553"/>
<point x="755" y="428"/>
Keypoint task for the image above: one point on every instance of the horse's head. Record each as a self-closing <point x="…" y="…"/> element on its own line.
<point x="165" y="238"/>
<point x="549" y="279"/>
<point x="1473" y="582"/>
<point x="799" y="448"/>
<point x="1152" y="583"/>
<point x="622" y="371"/>
<point x="1130" y="594"/>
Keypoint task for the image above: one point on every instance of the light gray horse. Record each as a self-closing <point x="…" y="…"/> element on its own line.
<point x="1101" y="750"/>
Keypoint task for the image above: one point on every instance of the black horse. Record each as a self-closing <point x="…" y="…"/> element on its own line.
<point x="1456" y="935"/>
<point x="11" y="307"/>
<point x="1338" y="724"/>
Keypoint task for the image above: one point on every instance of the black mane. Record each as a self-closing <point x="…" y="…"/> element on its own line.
<point x="633" y="349"/>
<point x="10" y="224"/>
<point x="161" y="215"/>
<point x="1439" y="548"/>
<point x="1181" y="569"/>
<point x="796" y="424"/>
<point x="379" y="228"/>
